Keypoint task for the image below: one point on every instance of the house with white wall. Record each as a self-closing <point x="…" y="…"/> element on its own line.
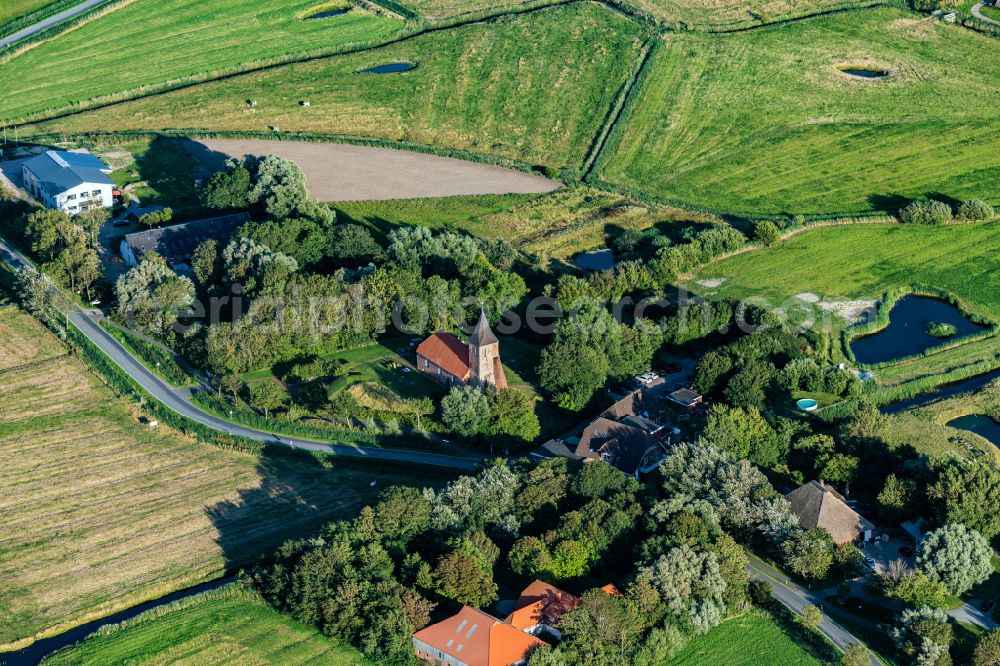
<point x="70" y="182"/>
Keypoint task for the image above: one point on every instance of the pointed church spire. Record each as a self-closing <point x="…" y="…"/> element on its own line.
<point x="482" y="335"/>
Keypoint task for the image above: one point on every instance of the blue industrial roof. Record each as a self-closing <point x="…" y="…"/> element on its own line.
<point x="59" y="171"/>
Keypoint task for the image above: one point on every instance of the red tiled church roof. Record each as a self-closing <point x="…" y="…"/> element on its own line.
<point x="447" y="352"/>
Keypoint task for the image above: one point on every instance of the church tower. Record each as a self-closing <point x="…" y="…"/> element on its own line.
<point x="485" y="368"/>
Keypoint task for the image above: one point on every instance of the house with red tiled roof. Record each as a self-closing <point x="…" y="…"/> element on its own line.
<point x="473" y="638"/>
<point x="450" y="361"/>
<point x="539" y="608"/>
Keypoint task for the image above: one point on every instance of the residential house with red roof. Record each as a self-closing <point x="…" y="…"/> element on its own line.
<point x="473" y="638"/>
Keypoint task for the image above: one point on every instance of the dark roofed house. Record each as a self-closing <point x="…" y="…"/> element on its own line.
<point x="625" y="435"/>
<point x="685" y="398"/>
<point x="176" y="243"/>
<point x="818" y="505"/>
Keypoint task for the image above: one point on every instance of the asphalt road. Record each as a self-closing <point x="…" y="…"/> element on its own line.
<point x="977" y="12"/>
<point x="45" y="24"/>
<point x="179" y="400"/>
<point x="796" y="598"/>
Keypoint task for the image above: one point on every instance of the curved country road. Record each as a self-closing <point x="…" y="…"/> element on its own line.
<point x="179" y="400"/>
<point x="47" y="23"/>
<point x="795" y="597"/>
<point x="977" y="12"/>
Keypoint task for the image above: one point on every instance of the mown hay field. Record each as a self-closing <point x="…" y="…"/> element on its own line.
<point x="765" y="122"/>
<point x="148" y="42"/>
<point x="534" y="87"/>
<point x="99" y="512"/>
<point x="229" y="625"/>
<point x="441" y="9"/>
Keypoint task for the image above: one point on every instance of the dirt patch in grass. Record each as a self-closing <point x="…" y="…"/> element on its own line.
<point x="342" y="172"/>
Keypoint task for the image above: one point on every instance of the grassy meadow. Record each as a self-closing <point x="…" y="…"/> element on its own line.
<point x="556" y="225"/>
<point x="229" y="625"/>
<point x="925" y="428"/>
<point x="101" y="513"/>
<point x="863" y="261"/>
<point x="144" y="43"/>
<point x="765" y="122"/>
<point x="535" y="87"/>
<point x="442" y="9"/>
<point x="755" y="639"/>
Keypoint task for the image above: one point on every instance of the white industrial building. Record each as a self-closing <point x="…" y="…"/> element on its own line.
<point x="71" y="182"/>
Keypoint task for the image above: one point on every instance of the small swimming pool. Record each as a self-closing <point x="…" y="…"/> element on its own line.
<point x="806" y="404"/>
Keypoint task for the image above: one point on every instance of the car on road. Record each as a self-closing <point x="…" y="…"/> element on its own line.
<point x="906" y="550"/>
<point x="870" y="563"/>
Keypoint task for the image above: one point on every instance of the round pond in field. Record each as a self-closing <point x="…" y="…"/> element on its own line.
<point x="598" y="260"/>
<point x="980" y="424"/>
<point x="806" y="404"/>
<point x="389" y="68"/>
<point x="330" y="13"/>
<point x="864" y="73"/>
<point x="907" y="333"/>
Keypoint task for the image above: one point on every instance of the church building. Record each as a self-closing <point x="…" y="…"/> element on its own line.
<point x="450" y="361"/>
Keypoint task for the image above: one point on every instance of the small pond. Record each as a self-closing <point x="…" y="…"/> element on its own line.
<point x="865" y="73"/>
<point x="389" y="68"/>
<point x="906" y="334"/>
<point x="980" y="424"/>
<point x="598" y="260"/>
<point x="329" y="13"/>
<point x="946" y="391"/>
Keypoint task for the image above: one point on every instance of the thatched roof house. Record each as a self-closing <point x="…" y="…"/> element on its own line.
<point x="818" y="505"/>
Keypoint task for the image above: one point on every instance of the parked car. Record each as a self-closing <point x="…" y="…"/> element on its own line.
<point x="870" y="563"/>
<point x="122" y="222"/>
<point x="906" y="550"/>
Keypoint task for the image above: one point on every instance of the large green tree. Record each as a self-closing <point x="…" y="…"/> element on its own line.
<point x="957" y="556"/>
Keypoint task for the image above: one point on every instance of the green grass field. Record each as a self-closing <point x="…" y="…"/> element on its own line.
<point x="534" y="86"/>
<point x="763" y="121"/>
<point x="148" y="42"/>
<point x="12" y="9"/>
<point x="751" y="640"/>
<point x="101" y="512"/>
<point x="863" y="261"/>
<point x="716" y="14"/>
<point x="228" y="625"/>
<point x="441" y="9"/>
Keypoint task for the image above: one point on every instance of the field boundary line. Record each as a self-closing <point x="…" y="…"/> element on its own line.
<point x="617" y="109"/>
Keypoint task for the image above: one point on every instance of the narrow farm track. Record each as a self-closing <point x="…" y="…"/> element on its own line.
<point x="977" y="11"/>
